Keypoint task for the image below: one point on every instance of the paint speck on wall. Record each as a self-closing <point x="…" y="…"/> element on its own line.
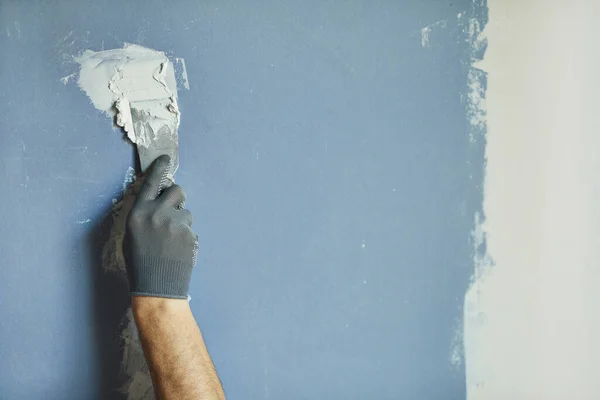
<point x="66" y="79"/>
<point x="425" y="36"/>
<point x="426" y="32"/>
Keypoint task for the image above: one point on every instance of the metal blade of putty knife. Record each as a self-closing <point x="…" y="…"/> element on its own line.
<point x="155" y="127"/>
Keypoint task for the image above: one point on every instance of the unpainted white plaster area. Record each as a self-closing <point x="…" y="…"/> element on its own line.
<point x="532" y="313"/>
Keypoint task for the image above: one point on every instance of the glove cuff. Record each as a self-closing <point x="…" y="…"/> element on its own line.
<point x="159" y="277"/>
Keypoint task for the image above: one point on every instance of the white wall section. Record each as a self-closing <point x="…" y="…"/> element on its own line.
<point x="532" y="314"/>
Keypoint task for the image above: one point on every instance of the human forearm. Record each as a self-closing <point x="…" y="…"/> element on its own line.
<point x="179" y="363"/>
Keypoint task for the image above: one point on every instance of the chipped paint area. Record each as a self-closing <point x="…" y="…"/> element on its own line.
<point x="476" y="106"/>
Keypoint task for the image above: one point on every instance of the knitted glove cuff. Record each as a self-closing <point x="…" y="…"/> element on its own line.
<point x="159" y="277"/>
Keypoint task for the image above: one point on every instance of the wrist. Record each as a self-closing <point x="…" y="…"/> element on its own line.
<point x="149" y="308"/>
<point x="158" y="276"/>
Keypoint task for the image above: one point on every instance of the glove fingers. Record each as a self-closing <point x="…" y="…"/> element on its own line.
<point x="174" y="196"/>
<point x="155" y="178"/>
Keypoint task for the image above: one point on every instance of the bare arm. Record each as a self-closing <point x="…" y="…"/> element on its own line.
<point x="179" y="363"/>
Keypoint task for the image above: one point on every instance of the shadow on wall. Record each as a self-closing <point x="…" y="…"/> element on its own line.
<point x="109" y="304"/>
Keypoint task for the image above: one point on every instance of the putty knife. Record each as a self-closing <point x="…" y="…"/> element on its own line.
<point x="160" y="132"/>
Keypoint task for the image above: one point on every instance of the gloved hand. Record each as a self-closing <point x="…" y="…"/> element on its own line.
<point x="159" y="245"/>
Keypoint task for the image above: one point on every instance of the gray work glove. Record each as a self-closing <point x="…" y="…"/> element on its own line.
<point x="159" y="245"/>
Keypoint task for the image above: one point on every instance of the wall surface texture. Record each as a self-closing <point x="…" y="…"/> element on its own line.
<point x="332" y="154"/>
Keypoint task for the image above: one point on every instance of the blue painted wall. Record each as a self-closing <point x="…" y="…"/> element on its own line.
<point x="326" y="157"/>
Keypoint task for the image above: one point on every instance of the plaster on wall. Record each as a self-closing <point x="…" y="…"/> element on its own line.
<point x="532" y="314"/>
<point x="116" y="79"/>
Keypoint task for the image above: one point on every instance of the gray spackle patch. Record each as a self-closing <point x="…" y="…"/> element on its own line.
<point x="138" y="383"/>
<point x="112" y="253"/>
<point x="140" y="387"/>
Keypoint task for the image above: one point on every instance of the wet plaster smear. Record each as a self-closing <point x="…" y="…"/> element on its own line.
<point x="114" y="80"/>
<point x="532" y="314"/>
